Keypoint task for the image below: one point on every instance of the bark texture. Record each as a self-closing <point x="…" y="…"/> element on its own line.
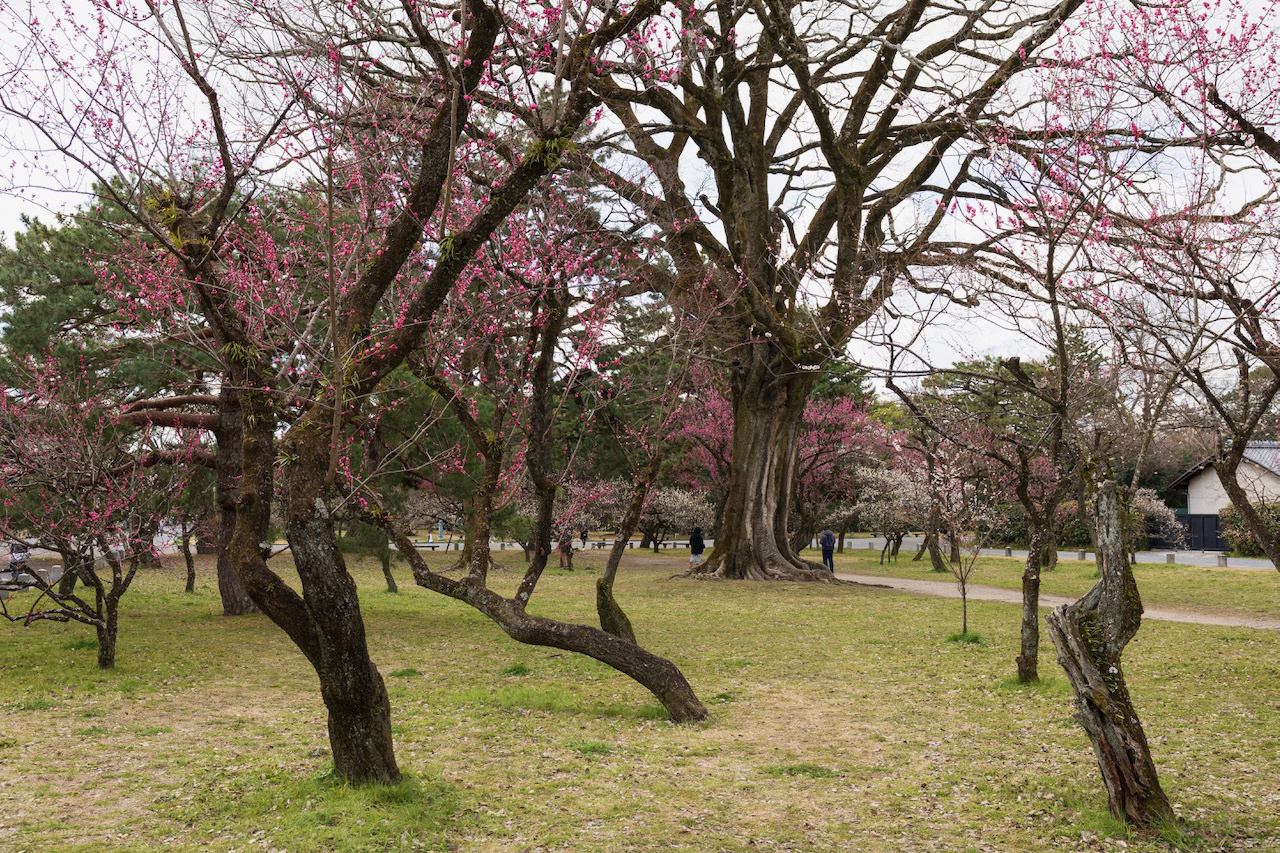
<point x="230" y="468"/>
<point x="1228" y="472"/>
<point x="1090" y="636"/>
<point x="189" y="559"/>
<point x="752" y="541"/>
<point x="1029" y="653"/>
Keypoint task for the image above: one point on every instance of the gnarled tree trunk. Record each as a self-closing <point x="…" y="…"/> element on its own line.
<point x="1090" y="636"/>
<point x="325" y="621"/>
<point x="752" y="541"/>
<point x="350" y="684"/>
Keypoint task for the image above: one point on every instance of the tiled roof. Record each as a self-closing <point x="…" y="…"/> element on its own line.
<point x="1264" y="453"/>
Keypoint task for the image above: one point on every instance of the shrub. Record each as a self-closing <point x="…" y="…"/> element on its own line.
<point x="1237" y="534"/>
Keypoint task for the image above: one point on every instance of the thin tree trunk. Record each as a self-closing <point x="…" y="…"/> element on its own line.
<point x="844" y="531"/>
<point x="612" y="617"/>
<point x="385" y="556"/>
<point x="189" y="559"/>
<point x="1090" y="636"/>
<point x="1028" y="659"/>
<point x="1228" y="473"/>
<point x="107" y="632"/>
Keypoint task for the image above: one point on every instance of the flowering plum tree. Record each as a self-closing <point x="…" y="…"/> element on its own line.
<point x="75" y="480"/>
<point x="382" y="96"/>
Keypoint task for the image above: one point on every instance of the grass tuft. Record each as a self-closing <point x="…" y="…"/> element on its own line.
<point x="515" y="669"/>
<point x="966" y="637"/>
<point x="813" y="771"/>
<point x="407" y="672"/>
<point x="81" y="644"/>
<point x="592" y="747"/>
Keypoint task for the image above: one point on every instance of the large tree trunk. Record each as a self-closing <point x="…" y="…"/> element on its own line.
<point x="1028" y="659"/>
<point x="230" y="466"/>
<point x="325" y="621"/>
<point x="1090" y="636"/>
<point x="350" y="684"/>
<point x="752" y="541"/>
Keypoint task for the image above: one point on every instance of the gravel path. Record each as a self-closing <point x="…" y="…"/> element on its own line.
<point x="947" y="589"/>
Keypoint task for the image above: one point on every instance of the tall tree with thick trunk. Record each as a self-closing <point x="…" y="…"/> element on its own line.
<point x="829" y="137"/>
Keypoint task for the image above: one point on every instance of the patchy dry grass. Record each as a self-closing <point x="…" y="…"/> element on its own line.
<point x="1209" y="589"/>
<point x="842" y="719"/>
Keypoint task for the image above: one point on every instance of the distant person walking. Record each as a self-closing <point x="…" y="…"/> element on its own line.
<point x="828" y="544"/>
<point x="696" y="547"/>
<point x="583" y="533"/>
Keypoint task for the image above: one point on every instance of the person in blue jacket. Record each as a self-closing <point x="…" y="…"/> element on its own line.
<point x="828" y="544"/>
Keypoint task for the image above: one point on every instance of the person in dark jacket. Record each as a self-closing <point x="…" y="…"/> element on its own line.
<point x="696" y="547"/>
<point x="828" y="544"/>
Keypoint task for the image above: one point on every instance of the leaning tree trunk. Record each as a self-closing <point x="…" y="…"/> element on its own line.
<point x="658" y="675"/>
<point x="1090" y="636"/>
<point x="1028" y="659"/>
<point x="612" y="617"/>
<point x="384" y="555"/>
<point x="752" y="541"/>
<point x="1228" y="474"/>
<point x="350" y="684"/>
<point x="324" y="621"/>
<point x="230" y="468"/>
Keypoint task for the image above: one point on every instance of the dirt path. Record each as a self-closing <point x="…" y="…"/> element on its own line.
<point x="947" y="589"/>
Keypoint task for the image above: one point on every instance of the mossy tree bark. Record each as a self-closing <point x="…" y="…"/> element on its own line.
<point x="1090" y="636"/>
<point x="325" y="620"/>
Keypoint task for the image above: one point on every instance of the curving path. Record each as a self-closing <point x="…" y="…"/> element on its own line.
<point x="947" y="589"/>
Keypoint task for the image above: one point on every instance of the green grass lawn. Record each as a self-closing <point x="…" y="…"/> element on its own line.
<point x="1250" y="592"/>
<point x="841" y="719"/>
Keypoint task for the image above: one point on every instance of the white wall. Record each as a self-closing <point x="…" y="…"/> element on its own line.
<point x="1205" y="495"/>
